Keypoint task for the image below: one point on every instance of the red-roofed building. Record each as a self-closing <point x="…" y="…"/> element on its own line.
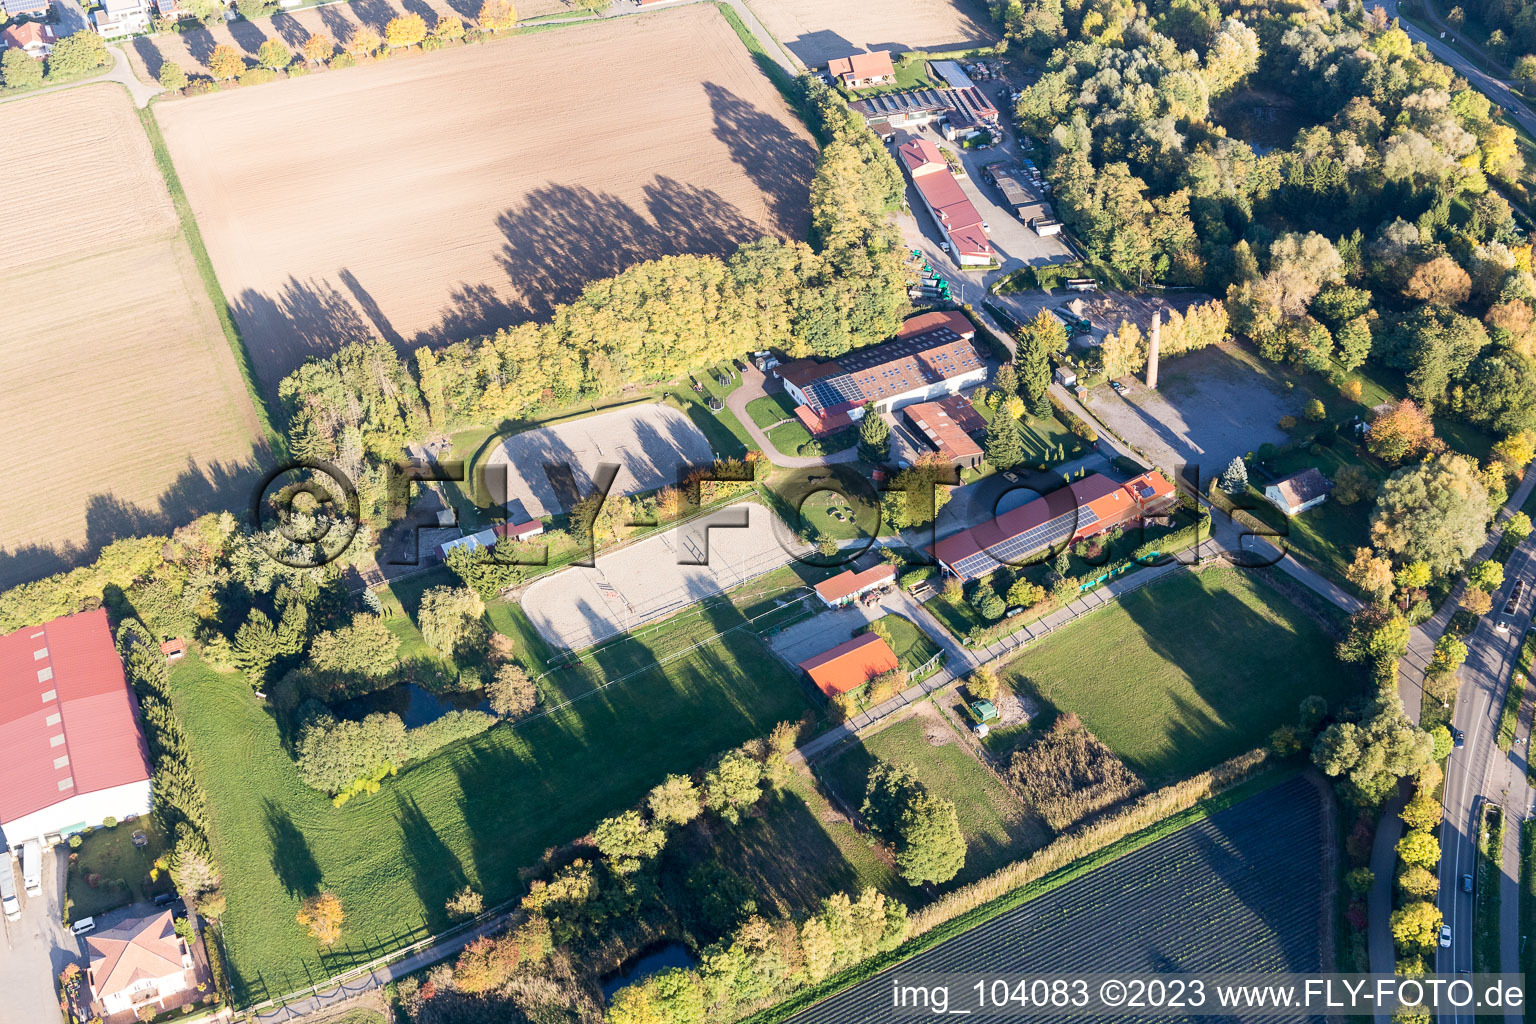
<point x="957" y="218"/>
<point x="33" y="38"/>
<point x="863" y="70"/>
<point x="140" y="962"/>
<point x="932" y="355"/>
<point x="71" y="750"/>
<point x="1083" y="508"/>
<point x="847" y="585"/>
<point x="850" y="665"/>
<point x="951" y="426"/>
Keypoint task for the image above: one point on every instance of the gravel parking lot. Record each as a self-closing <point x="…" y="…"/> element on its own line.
<point x="1209" y="406"/>
<point x="649" y="442"/>
<point x="578" y="607"/>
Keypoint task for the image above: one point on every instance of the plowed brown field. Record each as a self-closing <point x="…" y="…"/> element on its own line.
<point x="441" y="196"/>
<point x="121" y="398"/>
<point x="816" y="31"/>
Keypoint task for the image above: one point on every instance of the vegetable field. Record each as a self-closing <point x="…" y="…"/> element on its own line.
<point x="1219" y="895"/>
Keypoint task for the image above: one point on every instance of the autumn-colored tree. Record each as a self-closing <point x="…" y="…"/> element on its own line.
<point x="1124" y="351"/>
<point x="323" y="915"/>
<point x="1477" y="601"/>
<point x="273" y="55"/>
<point x="1400" y="433"/>
<point x="1440" y="281"/>
<point x="319" y="48"/>
<point x="225" y="62"/>
<point x="1416" y="925"/>
<point x="172" y="76"/>
<point x="449" y="26"/>
<point x="1352" y="484"/>
<point x="1515" y="452"/>
<point x="1371" y="574"/>
<point x="364" y="42"/>
<point x="497" y="15"/>
<point x="406" y="30"/>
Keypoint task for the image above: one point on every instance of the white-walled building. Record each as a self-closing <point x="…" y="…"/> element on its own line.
<point x="932" y="355"/>
<point x="72" y="753"/>
<point x="951" y="209"/>
<point x="140" y="962"/>
<point x="119" y="18"/>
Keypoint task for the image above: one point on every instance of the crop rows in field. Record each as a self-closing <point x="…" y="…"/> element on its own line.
<point x="1240" y="891"/>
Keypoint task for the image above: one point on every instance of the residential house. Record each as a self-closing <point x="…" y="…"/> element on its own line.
<point x="141" y="962"/>
<point x="72" y="753"/>
<point x="863" y="70"/>
<point x="33" y="38"/>
<point x="119" y="18"/>
<point x="1298" y="492"/>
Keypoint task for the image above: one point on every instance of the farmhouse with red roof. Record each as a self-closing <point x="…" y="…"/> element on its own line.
<point x="71" y="750"/>
<point x="863" y="69"/>
<point x="140" y="962"/>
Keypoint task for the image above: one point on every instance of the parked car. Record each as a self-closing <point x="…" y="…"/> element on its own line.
<point x="1445" y="936"/>
<point x="1119" y="388"/>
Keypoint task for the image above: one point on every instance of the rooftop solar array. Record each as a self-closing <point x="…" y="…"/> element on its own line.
<point x="1013" y="550"/>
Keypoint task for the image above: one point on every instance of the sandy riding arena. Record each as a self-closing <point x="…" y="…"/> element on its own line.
<point x="121" y="392"/>
<point x="578" y="607"/>
<point x="549" y="469"/>
<point x="816" y="31"/>
<point x="436" y="196"/>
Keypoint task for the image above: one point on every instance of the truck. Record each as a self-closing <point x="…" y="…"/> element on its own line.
<point x="32" y="867"/>
<point x="8" y="900"/>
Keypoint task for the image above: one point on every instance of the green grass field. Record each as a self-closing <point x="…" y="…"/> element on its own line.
<point x="1186" y="672"/>
<point x="475" y="814"/>
<point x="770" y="409"/>
<point x="997" y="826"/>
<point x="788" y="437"/>
<point x="121" y="869"/>
<point x="1324" y="537"/>
<point x="913" y="647"/>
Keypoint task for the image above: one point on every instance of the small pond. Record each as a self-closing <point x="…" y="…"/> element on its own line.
<point x="415" y="705"/>
<point x="654" y="959"/>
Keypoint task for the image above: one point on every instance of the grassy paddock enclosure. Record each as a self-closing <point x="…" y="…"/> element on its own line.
<point x="297" y="185"/>
<point x="475" y="814"/>
<point x="1181" y="674"/>
<point x="998" y="828"/>
<point x="117" y="371"/>
<point x="817" y="31"/>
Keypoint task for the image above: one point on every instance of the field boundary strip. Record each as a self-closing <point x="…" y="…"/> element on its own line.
<point x="194" y="238"/>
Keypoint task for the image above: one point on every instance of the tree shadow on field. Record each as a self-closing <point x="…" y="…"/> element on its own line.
<point x="306" y="318"/>
<point x="289" y="30"/>
<point x="336" y="23"/>
<point x="437" y="870"/>
<point x="773" y="156"/>
<point x="195" y="490"/>
<point x="247" y="35"/>
<point x="562" y="237"/>
<point x="375" y="13"/>
<point x="425" y="10"/>
<point x="199" y="42"/>
<point x="292" y="860"/>
<point x="371" y="309"/>
<point x="150" y="54"/>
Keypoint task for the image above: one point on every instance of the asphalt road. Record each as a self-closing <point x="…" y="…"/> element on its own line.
<point x="1492" y="87"/>
<point x="1475" y="771"/>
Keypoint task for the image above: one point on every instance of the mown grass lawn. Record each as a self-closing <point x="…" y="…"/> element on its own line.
<point x="770" y="409"/>
<point x="1187" y="671"/>
<point x="475" y="814"/>
<point x="997" y="826"/>
<point x="121" y="869"/>
<point x="913" y="647"/>
<point x="788" y="437"/>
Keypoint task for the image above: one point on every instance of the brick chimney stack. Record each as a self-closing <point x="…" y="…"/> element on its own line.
<point x="1153" y="339"/>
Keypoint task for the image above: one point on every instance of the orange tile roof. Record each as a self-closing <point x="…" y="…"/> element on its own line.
<point x="948" y="425"/>
<point x="850" y="582"/>
<point x="850" y="665"/>
<point x="137" y="949"/>
<point x="862" y="65"/>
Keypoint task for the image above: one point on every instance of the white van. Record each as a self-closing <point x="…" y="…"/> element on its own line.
<point x="8" y="900"/>
<point x="32" y="867"/>
<point x="85" y="924"/>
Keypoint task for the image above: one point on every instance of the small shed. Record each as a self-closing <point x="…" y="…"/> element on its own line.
<point x="983" y="711"/>
<point x="1065" y="376"/>
<point x="174" y="649"/>
<point x="1298" y="492"/>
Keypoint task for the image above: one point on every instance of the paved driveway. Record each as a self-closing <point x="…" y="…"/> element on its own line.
<point x="36" y="949"/>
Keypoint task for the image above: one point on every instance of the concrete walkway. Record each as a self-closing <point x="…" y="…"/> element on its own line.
<point x="122" y="73"/>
